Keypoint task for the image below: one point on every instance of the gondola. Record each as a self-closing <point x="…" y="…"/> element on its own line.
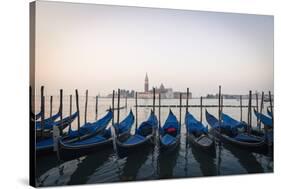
<point x="267" y="121"/>
<point x="46" y="145"/>
<point x="48" y="123"/>
<point x="170" y="133"/>
<point x="70" y="150"/>
<point x="144" y="136"/>
<point x="198" y="134"/>
<point x="36" y="116"/>
<point x="229" y="134"/>
<point x="268" y="127"/>
<point x="88" y="129"/>
<point x="61" y="124"/>
<point x="269" y="112"/>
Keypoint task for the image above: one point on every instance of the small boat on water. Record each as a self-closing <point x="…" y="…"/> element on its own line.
<point x="144" y="136"/>
<point x="269" y="112"/>
<point x="50" y="123"/>
<point x="268" y="126"/>
<point x="169" y="135"/>
<point x="69" y="150"/>
<point x="267" y="121"/>
<point x="198" y="134"/>
<point x="46" y="145"/>
<point x="36" y="116"/>
<point x="228" y="133"/>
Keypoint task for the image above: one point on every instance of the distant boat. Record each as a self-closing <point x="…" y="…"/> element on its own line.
<point x="198" y="134"/>
<point x="144" y="136"/>
<point x="69" y="150"/>
<point x="45" y="145"/>
<point x="170" y="133"/>
<point x="228" y="133"/>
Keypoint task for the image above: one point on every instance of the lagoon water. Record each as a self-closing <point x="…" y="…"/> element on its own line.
<point x="148" y="164"/>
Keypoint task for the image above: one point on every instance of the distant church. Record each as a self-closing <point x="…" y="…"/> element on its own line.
<point x="146" y="83"/>
<point x="165" y="92"/>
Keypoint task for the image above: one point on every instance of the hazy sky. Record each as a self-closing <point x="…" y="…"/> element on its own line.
<point x="102" y="48"/>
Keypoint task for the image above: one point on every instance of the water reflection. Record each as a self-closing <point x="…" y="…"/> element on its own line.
<point x="246" y="159"/>
<point x="207" y="162"/>
<point x="89" y="165"/>
<point x="133" y="163"/>
<point x="166" y="163"/>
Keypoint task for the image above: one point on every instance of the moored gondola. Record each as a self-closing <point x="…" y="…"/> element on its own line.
<point x="229" y="134"/>
<point x="46" y="145"/>
<point x="198" y="134"/>
<point x="48" y="128"/>
<point x="269" y="112"/>
<point x="267" y="121"/>
<point x="69" y="150"/>
<point x="169" y="135"/>
<point x="144" y="136"/>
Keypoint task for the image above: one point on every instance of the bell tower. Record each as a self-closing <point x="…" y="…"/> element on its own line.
<point x="146" y="85"/>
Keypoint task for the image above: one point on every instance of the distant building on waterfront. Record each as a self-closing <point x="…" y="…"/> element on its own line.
<point x="166" y="93"/>
<point x="123" y="94"/>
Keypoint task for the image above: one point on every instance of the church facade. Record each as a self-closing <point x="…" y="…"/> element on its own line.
<point x="166" y="93"/>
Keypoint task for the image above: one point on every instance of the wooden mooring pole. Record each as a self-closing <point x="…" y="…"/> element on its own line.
<point x="257" y="105"/>
<point x="153" y="101"/>
<point x="86" y="107"/>
<point x="249" y="112"/>
<point x="51" y="106"/>
<point x="136" y="102"/>
<point x="219" y="111"/>
<point x="187" y="98"/>
<point x="97" y="103"/>
<point x="261" y="108"/>
<point x="126" y="101"/>
<point x="201" y="109"/>
<point x="271" y="106"/>
<point x="42" y="110"/>
<point x="159" y="113"/>
<point x="118" y="107"/>
<point x="113" y="93"/>
<point x="61" y="104"/>
<point x="186" y="109"/>
<point x="77" y="108"/>
<point x="70" y="112"/>
<point x="241" y="109"/>
<point x="180" y="107"/>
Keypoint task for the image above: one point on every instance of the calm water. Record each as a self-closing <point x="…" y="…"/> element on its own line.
<point x="148" y="164"/>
